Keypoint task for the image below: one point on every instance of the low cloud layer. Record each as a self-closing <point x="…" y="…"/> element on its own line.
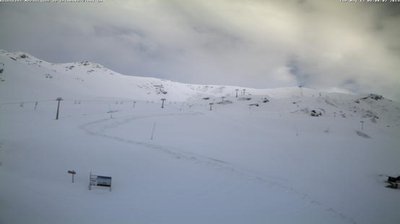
<point x="255" y="43"/>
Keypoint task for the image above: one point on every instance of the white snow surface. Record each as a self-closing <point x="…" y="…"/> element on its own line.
<point x="245" y="161"/>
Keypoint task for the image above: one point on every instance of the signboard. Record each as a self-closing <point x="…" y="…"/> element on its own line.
<point x="99" y="181"/>
<point x="72" y="172"/>
<point x="103" y="181"/>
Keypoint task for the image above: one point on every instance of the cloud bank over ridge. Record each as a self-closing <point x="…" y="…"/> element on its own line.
<point x="255" y="43"/>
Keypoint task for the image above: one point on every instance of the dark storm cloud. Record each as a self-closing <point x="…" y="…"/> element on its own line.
<point x="256" y="43"/>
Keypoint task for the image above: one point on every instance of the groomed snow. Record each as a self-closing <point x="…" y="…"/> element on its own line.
<point x="271" y="163"/>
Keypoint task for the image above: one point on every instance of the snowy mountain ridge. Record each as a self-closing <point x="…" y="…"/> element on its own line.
<point x="91" y="79"/>
<point x="24" y="78"/>
<point x="94" y="79"/>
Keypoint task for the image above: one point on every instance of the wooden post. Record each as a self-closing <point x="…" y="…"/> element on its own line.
<point x="72" y="172"/>
<point x="111" y="113"/>
<point x="92" y="180"/>
<point x="58" y="106"/>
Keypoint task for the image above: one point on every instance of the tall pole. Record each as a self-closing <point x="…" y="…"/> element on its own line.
<point x="152" y="131"/>
<point x="58" y="106"/>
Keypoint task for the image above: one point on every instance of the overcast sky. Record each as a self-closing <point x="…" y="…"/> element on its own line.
<point x="253" y="43"/>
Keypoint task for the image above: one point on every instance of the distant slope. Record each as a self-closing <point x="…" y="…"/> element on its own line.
<point x="26" y="78"/>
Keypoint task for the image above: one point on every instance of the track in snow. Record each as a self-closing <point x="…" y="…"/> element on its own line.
<point x="99" y="127"/>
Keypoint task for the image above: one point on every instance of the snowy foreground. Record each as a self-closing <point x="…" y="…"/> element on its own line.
<point x="238" y="163"/>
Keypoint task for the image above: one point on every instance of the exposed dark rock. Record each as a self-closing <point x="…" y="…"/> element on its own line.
<point x="373" y="96"/>
<point x="362" y="134"/>
<point x="225" y="102"/>
<point x="244" y="98"/>
<point x="315" y="113"/>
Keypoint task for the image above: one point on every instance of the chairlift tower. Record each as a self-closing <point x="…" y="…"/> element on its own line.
<point x="59" y="99"/>
<point x="162" y="102"/>
<point x="211" y="106"/>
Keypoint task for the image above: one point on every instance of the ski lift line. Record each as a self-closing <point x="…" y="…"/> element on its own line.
<point x="102" y="100"/>
<point x="34" y="101"/>
<point x="65" y="99"/>
<point x="125" y="100"/>
<point x="25" y="102"/>
<point x="18" y="102"/>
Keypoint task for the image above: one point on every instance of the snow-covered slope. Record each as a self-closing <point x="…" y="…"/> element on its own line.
<point x="25" y="78"/>
<point x="91" y="79"/>
<point x="286" y="155"/>
<point x="88" y="79"/>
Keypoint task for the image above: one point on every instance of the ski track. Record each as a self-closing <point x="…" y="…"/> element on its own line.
<point x="98" y="128"/>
